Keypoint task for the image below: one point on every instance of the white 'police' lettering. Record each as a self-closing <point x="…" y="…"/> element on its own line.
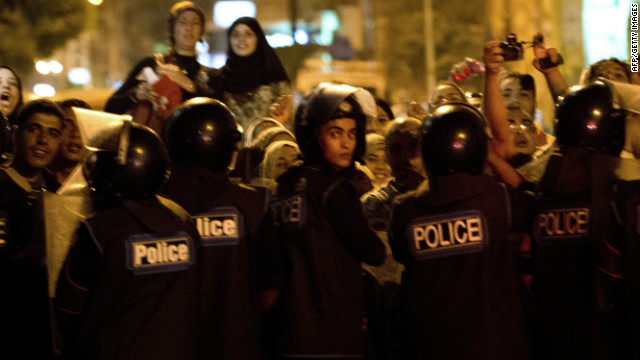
<point x="220" y="226"/>
<point x="563" y="224"/>
<point x="449" y="234"/>
<point x="150" y="254"/>
<point x="216" y="227"/>
<point x="162" y="252"/>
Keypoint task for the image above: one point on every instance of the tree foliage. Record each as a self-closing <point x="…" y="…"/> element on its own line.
<point x="36" y="28"/>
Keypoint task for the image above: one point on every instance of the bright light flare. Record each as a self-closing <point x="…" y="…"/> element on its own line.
<point x="43" y="67"/>
<point x="226" y="12"/>
<point x="44" y="90"/>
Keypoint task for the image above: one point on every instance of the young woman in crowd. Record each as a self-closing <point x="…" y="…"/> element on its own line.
<point x="188" y="77"/>
<point x="253" y="78"/>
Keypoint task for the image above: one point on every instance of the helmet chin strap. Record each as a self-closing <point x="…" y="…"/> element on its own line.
<point x="123" y="143"/>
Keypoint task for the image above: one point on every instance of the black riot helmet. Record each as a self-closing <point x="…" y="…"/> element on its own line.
<point x="454" y="140"/>
<point x="130" y="163"/>
<point x="324" y="104"/>
<point x="403" y="142"/>
<point x="202" y="132"/>
<point x="591" y="118"/>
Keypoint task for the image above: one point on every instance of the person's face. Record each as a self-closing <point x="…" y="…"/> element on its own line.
<point x="38" y="141"/>
<point x="187" y="31"/>
<point x="9" y="91"/>
<point x="287" y="157"/>
<point x="338" y="142"/>
<point x="611" y="71"/>
<point x="522" y="137"/>
<point x="243" y="40"/>
<point x="377" y="162"/>
<point x="444" y="94"/>
<point x="71" y="146"/>
<point x="379" y="124"/>
<point x="515" y="96"/>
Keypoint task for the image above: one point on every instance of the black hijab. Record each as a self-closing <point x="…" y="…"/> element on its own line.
<point x="243" y="74"/>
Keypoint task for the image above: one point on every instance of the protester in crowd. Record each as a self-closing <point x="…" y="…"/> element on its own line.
<point x="72" y="149"/>
<point x="315" y="237"/>
<point x="508" y="100"/>
<point x="10" y="104"/>
<point x="375" y="159"/>
<point x="24" y="304"/>
<point x="446" y="92"/>
<point x="128" y="288"/>
<point x="180" y="75"/>
<point x="249" y="158"/>
<point x="253" y="78"/>
<point x="10" y="94"/>
<point x="519" y="91"/>
<point x="201" y="138"/>
<point x="384" y="116"/>
<point x="452" y="237"/>
<point x="279" y="157"/>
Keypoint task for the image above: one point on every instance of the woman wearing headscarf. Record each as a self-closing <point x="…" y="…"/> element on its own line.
<point x="188" y="78"/>
<point x="253" y="78"/>
<point x="10" y="104"/>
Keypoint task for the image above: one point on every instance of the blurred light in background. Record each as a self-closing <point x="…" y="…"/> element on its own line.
<point x="226" y="12"/>
<point x="95" y="2"/>
<point x="218" y="59"/>
<point x="44" y="67"/>
<point x="55" y="67"/>
<point x="44" y="90"/>
<point x="202" y="49"/>
<point x="301" y="36"/>
<point x="279" y="40"/>
<point x="330" y="23"/>
<point x="79" y="76"/>
<point x="604" y="24"/>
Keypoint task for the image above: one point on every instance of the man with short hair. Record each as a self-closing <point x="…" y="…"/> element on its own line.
<point x="24" y="306"/>
<point x="72" y="150"/>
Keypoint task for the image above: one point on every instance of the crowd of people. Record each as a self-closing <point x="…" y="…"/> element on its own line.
<point x="212" y="226"/>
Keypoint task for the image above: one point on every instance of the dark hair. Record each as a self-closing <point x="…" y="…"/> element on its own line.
<point x="622" y="64"/>
<point x="526" y="80"/>
<point x="39" y="106"/>
<point x="385" y="106"/>
<point x="67" y="103"/>
<point x="14" y="115"/>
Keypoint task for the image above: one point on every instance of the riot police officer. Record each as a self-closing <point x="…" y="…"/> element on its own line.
<point x="128" y="287"/>
<point x="459" y="292"/>
<point x="318" y="236"/>
<point x="201" y="136"/>
<point x="568" y="222"/>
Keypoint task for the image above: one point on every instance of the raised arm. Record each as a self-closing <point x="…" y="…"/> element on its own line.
<point x="494" y="109"/>
<point x="555" y="80"/>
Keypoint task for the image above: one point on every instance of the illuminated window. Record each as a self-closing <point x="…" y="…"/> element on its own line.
<point x="226" y="12"/>
<point x="604" y="24"/>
